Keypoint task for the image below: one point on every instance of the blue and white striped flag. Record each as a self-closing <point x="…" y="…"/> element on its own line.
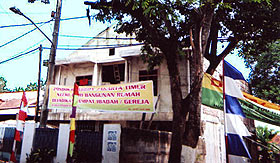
<point x="235" y="128"/>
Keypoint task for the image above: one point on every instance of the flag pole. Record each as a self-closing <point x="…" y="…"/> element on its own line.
<point x="72" y="120"/>
<point x="13" y="153"/>
<point x="224" y="102"/>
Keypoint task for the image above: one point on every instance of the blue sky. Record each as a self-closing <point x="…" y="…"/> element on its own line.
<point x="21" y="71"/>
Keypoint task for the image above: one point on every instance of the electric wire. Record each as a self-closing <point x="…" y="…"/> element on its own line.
<point x="20" y="25"/>
<point x="27" y="24"/>
<point x="93" y="37"/>
<point x="17" y="55"/>
<point x="22" y="54"/>
<point x="103" y="45"/>
<point x="222" y="39"/>
<point x="21" y="35"/>
<point x="30" y="47"/>
<point x="83" y="48"/>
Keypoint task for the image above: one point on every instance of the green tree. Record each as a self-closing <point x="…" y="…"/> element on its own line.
<point x="168" y="27"/>
<point x="18" y="89"/>
<point x="264" y="137"/>
<point x="3" y="84"/>
<point x="265" y="77"/>
<point x="29" y="87"/>
<point x="32" y="87"/>
<point x="246" y="24"/>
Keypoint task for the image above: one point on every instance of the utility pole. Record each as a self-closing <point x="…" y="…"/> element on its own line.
<point x="51" y="65"/>
<point x="39" y="84"/>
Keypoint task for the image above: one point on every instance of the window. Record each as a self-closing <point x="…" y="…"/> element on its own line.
<point x="149" y="75"/>
<point x="84" y="80"/>
<point x="111" y="51"/>
<point x="65" y="80"/>
<point x="113" y="74"/>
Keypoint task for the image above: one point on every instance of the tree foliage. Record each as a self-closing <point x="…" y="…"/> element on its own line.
<point x="264" y="137"/>
<point x="265" y="77"/>
<point x="168" y="27"/>
<point x="29" y="87"/>
<point x="244" y="24"/>
<point x="3" y="84"/>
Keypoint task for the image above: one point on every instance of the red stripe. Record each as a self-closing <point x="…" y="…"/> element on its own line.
<point x="24" y="99"/>
<point x="22" y="115"/>
<point x="216" y="82"/>
<point x="72" y="136"/>
<point x="76" y="89"/>
<point x="13" y="157"/>
<point x="17" y="136"/>
<point x="227" y="149"/>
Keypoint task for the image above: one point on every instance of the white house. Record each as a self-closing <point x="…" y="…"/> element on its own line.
<point x="112" y="58"/>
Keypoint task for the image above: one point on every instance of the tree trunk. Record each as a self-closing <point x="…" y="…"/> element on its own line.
<point x="179" y="114"/>
<point x="178" y="128"/>
<point x="213" y="65"/>
<point x="193" y="103"/>
<point x="198" y="41"/>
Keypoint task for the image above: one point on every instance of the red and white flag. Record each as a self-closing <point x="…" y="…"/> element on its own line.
<point x="22" y="115"/>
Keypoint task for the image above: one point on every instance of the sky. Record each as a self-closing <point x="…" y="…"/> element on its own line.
<point x="23" y="70"/>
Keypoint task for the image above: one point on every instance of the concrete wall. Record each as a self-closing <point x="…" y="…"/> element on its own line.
<point x="111" y="143"/>
<point x="163" y="82"/>
<point x="68" y="75"/>
<point x="143" y="146"/>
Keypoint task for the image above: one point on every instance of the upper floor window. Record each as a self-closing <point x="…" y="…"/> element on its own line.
<point x="84" y="80"/>
<point x="150" y="75"/>
<point x="111" y="51"/>
<point x="113" y="74"/>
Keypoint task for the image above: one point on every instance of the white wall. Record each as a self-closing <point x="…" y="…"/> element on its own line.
<point x="27" y="141"/>
<point x="214" y="137"/>
<point x="111" y="143"/>
<point x="83" y="63"/>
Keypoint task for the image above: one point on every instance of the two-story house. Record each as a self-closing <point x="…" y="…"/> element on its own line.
<point x="111" y="58"/>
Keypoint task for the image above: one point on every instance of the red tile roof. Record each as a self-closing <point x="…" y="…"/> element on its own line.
<point x="11" y="100"/>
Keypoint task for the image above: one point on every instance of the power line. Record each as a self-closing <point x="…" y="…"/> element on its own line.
<point x="85" y="46"/>
<point x="20" y="25"/>
<point x="22" y="54"/>
<point x="78" y="17"/>
<point x="119" y="38"/>
<point x="20" y="36"/>
<point x="30" y="47"/>
<point x="31" y="13"/>
<point x="108" y="47"/>
<point x="17" y="38"/>
<point x="93" y="37"/>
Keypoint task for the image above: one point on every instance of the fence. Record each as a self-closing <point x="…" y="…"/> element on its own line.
<point x="88" y="146"/>
<point x="144" y="146"/>
<point x="7" y="139"/>
<point x="113" y="145"/>
<point x="45" y="138"/>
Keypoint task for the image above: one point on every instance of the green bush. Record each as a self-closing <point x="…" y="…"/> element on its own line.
<point x="41" y="156"/>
